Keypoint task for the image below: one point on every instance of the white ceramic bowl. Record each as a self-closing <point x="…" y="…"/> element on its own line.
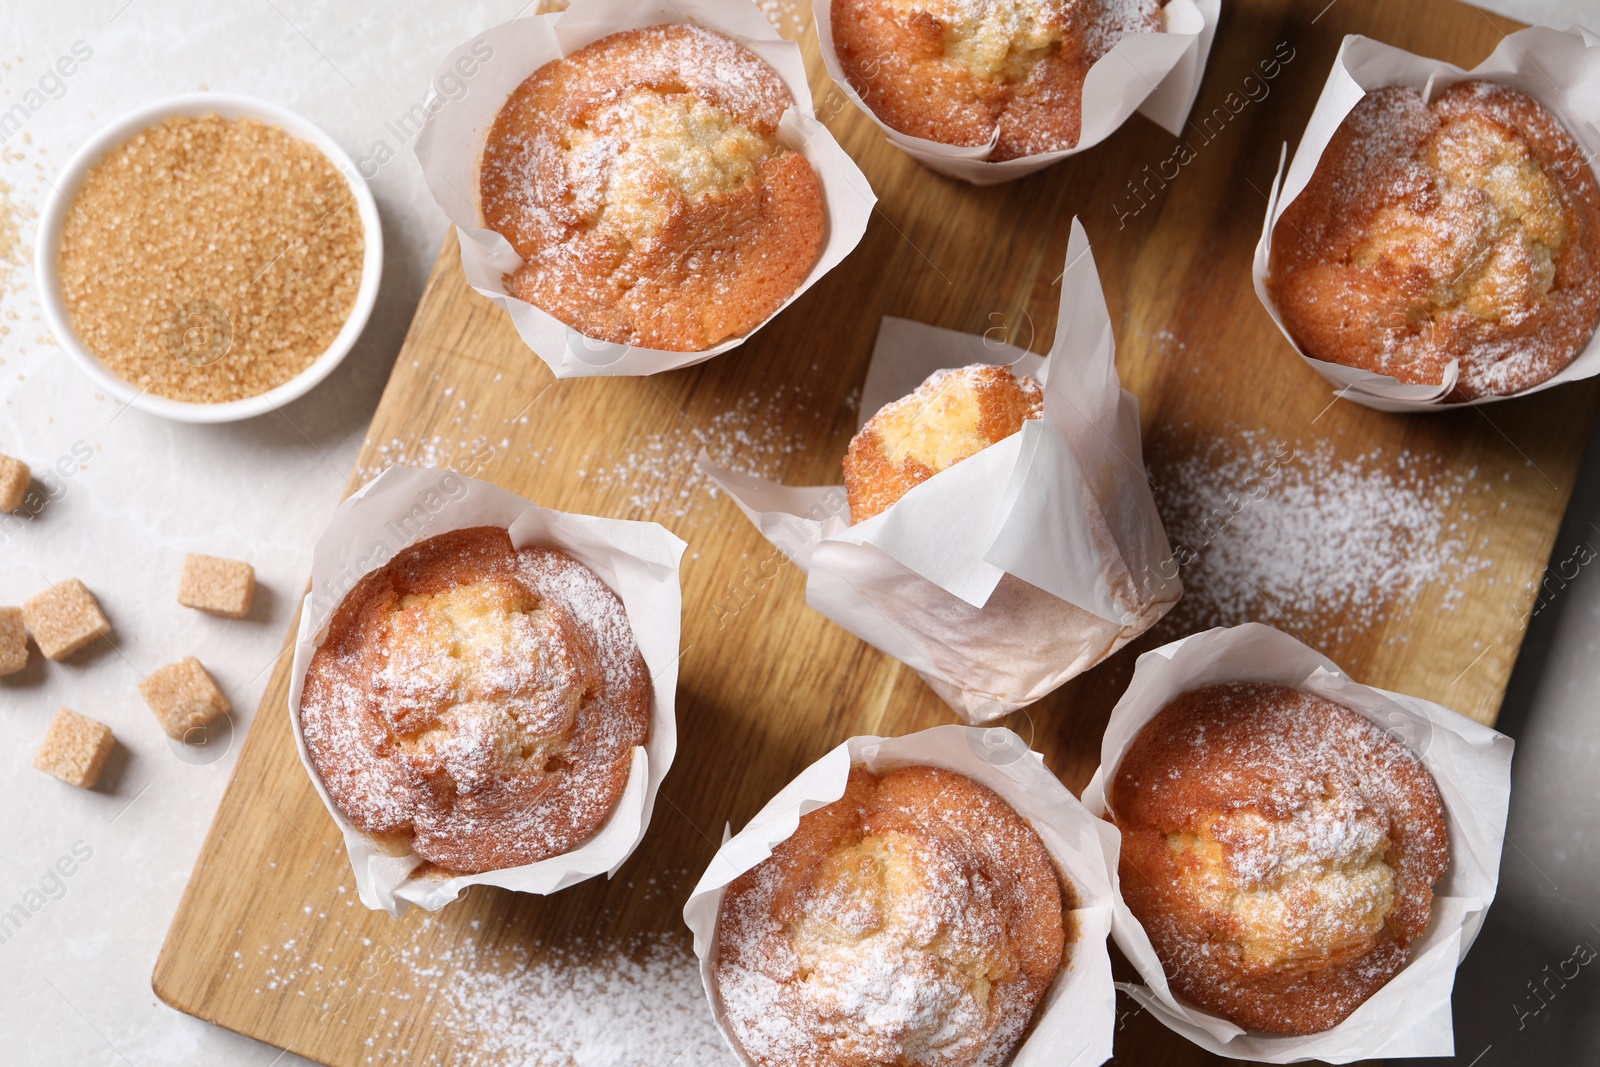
<point x="198" y="105"/>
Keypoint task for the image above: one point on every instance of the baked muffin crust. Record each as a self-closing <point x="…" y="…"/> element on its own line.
<point x="642" y="182"/>
<point x="916" y="921"/>
<point x="1279" y="849"/>
<point x="1467" y="229"/>
<point x="479" y="702"/>
<point x="956" y="70"/>
<point x="952" y="416"/>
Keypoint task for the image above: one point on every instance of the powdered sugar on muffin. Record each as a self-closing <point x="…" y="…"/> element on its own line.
<point x="1279" y="849"/>
<point x="642" y="181"/>
<point x="478" y="703"/>
<point x="964" y="71"/>
<point x="1466" y="231"/>
<point x="918" y="920"/>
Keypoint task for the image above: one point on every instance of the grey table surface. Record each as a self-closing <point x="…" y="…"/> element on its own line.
<point x="75" y="978"/>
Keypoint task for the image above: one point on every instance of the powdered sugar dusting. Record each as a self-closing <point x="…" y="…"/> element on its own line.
<point x="638" y="1003"/>
<point x="642" y="1007"/>
<point x="642" y="182"/>
<point x="1109" y="21"/>
<point x="1303" y="539"/>
<point x="652" y="475"/>
<point x="1461" y="231"/>
<point x="596" y="609"/>
<point x="437" y="452"/>
<point x="659" y="475"/>
<point x="788" y="17"/>
<point x="892" y="987"/>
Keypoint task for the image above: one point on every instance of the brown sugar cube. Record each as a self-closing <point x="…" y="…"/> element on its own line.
<point x="215" y="585"/>
<point x="64" y="618"/>
<point x="14" y="478"/>
<point x="183" y="696"/>
<point x="13" y="641"/>
<point x="75" y="749"/>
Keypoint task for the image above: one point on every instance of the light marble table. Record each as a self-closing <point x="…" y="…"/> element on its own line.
<point x="75" y="980"/>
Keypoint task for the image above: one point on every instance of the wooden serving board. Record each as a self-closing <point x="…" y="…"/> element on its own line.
<point x="269" y="940"/>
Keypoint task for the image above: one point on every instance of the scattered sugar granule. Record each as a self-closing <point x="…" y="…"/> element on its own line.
<point x="638" y="1004"/>
<point x="657" y="476"/>
<point x="13" y="249"/>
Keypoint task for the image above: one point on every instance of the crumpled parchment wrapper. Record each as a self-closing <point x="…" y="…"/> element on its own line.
<point x="1470" y="763"/>
<point x="1075" y="1021"/>
<point x="1560" y="69"/>
<point x="1155" y="74"/>
<point x="450" y="148"/>
<point x="1016" y="569"/>
<point x="637" y="560"/>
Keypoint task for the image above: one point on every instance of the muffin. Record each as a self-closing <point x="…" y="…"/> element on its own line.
<point x="1463" y="231"/>
<point x="955" y="71"/>
<point x="918" y="920"/>
<point x="642" y="183"/>
<point x="951" y="416"/>
<point x="477" y="703"/>
<point x="1279" y="849"/>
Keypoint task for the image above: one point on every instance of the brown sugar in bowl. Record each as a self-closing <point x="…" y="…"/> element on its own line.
<point x="202" y="319"/>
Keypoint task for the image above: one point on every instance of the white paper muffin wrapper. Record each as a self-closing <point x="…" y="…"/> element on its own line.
<point x="1075" y="1020"/>
<point x="1155" y="74"/>
<point x="450" y="149"/>
<point x="637" y="560"/>
<point x="1470" y="763"/>
<point x="1560" y="69"/>
<point x="1064" y="505"/>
